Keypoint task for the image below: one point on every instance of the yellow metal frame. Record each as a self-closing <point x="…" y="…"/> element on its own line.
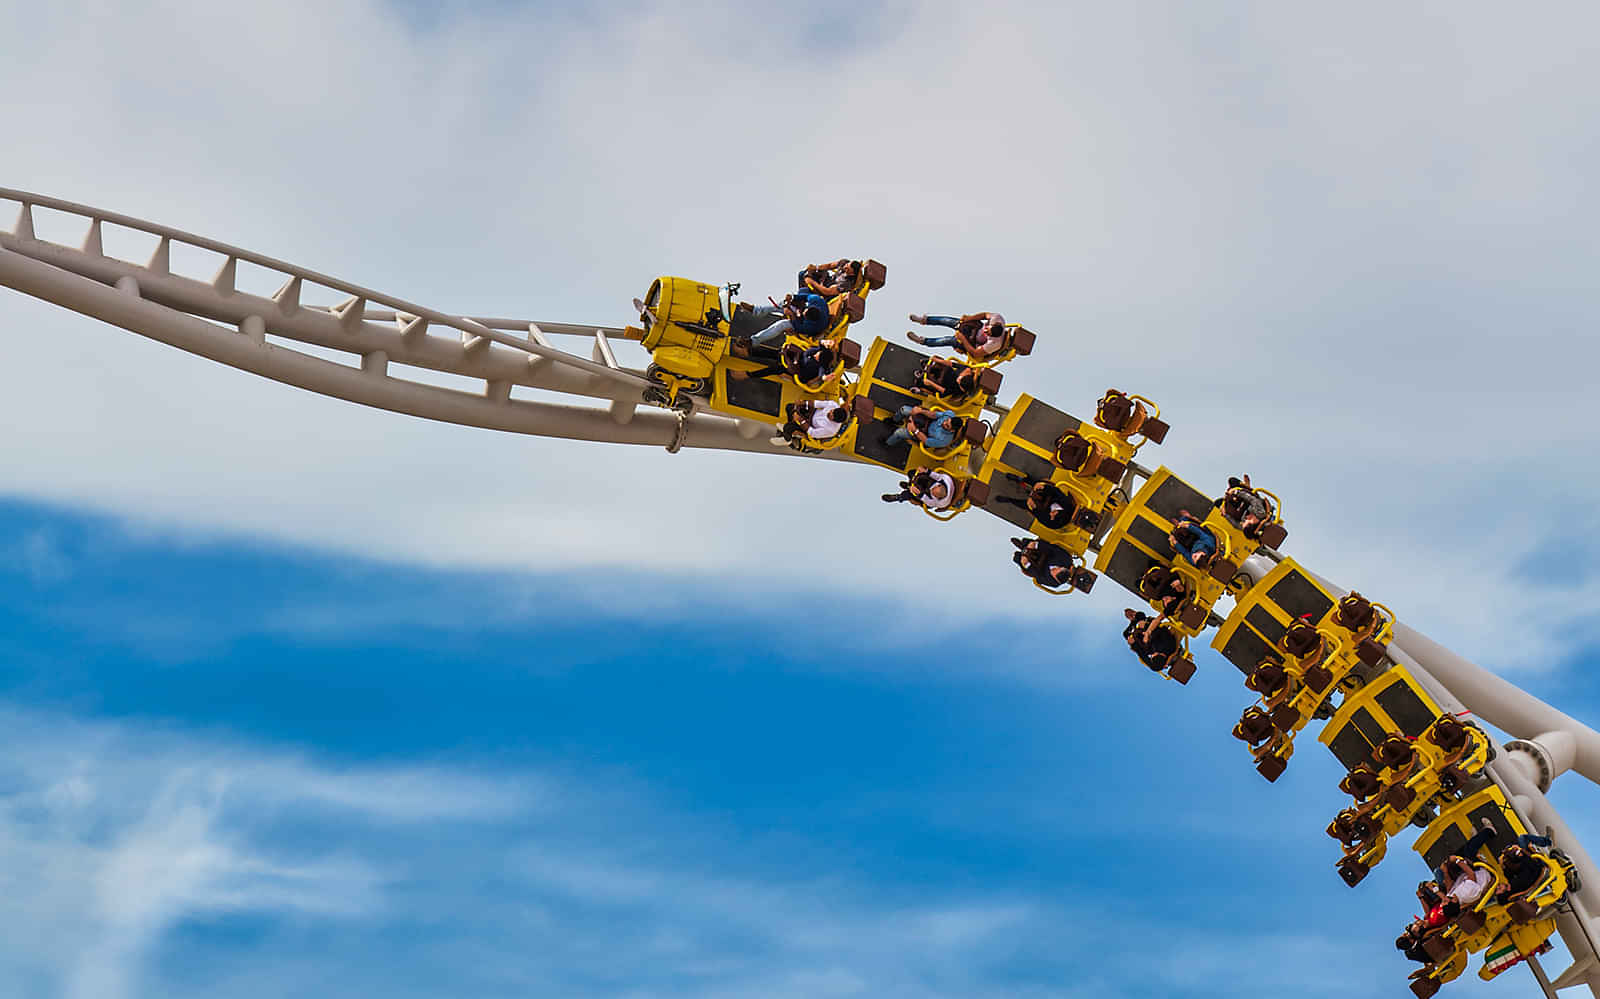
<point x="1458" y="816"/>
<point x="685" y="356"/>
<point x="1497" y="916"/>
<point x="1528" y="939"/>
<point x="1094" y="490"/>
<point x="1496" y="919"/>
<point x="1448" y="970"/>
<point x="1095" y="494"/>
<point x="948" y="513"/>
<point x="1117" y="447"/>
<point x="1277" y="504"/>
<point x="1366" y="698"/>
<point x="1339" y="653"/>
<point x="1372" y="856"/>
<point x="1426" y="784"/>
<point x="679" y="351"/>
<point x="791" y="391"/>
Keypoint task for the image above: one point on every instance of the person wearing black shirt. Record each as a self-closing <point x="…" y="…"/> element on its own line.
<point x="809" y="365"/>
<point x="1522" y="869"/>
<point x="1043" y="562"/>
<point x="1050" y="505"/>
<point x="947" y="379"/>
<point x="1153" y="643"/>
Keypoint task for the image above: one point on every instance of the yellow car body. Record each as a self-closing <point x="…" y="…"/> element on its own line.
<point x="690" y="326"/>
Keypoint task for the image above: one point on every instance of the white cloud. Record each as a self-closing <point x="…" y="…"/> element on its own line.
<point x="38" y="553"/>
<point x="1340" y="256"/>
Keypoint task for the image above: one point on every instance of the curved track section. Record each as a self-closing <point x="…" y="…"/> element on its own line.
<point x="377" y="337"/>
<point x="382" y="334"/>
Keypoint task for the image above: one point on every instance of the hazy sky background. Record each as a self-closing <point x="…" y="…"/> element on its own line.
<point x="315" y="692"/>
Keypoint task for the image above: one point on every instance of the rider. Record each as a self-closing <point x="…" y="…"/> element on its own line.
<point x="1150" y="639"/>
<point x="977" y="334"/>
<point x="1521" y="869"/>
<point x="935" y="489"/>
<point x="1050" y="505"/>
<point x="1165" y="587"/>
<point x="809" y="365"/>
<point x="934" y="429"/>
<point x="950" y="380"/>
<point x="1245" y="507"/>
<point x="1191" y="541"/>
<point x="830" y="280"/>
<point x="818" y="419"/>
<point x="805" y="313"/>
<point x="1042" y="561"/>
<point x="1467" y="883"/>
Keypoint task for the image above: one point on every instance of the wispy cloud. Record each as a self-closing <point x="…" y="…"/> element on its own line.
<point x="119" y="841"/>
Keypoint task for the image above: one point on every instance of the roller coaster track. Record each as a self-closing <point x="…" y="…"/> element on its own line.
<point x="381" y="336"/>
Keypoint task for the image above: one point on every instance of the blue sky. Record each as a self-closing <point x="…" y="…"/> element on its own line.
<point x="300" y="697"/>
<point x="246" y="769"/>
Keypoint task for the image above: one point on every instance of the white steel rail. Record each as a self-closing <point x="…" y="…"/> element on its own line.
<point x="215" y="319"/>
<point x="185" y="312"/>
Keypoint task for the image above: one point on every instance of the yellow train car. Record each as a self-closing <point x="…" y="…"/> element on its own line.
<point x="1391" y="702"/>
<point x="1507" y="930"/>
<point x="1257" y="631"/>
<point x="1404" y="755"/>
<point x="1298" y="646"/>
<point x="1137" y="543"/>
<point x="886" y="383"/>
<point x="1023" y="445"/>
<point x="690" y="327"/>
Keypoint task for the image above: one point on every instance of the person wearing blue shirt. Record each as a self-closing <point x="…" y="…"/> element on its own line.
<point x="934" y="429"/>
<point x="804" y="314"/>
<point x="1192" y="542"/>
